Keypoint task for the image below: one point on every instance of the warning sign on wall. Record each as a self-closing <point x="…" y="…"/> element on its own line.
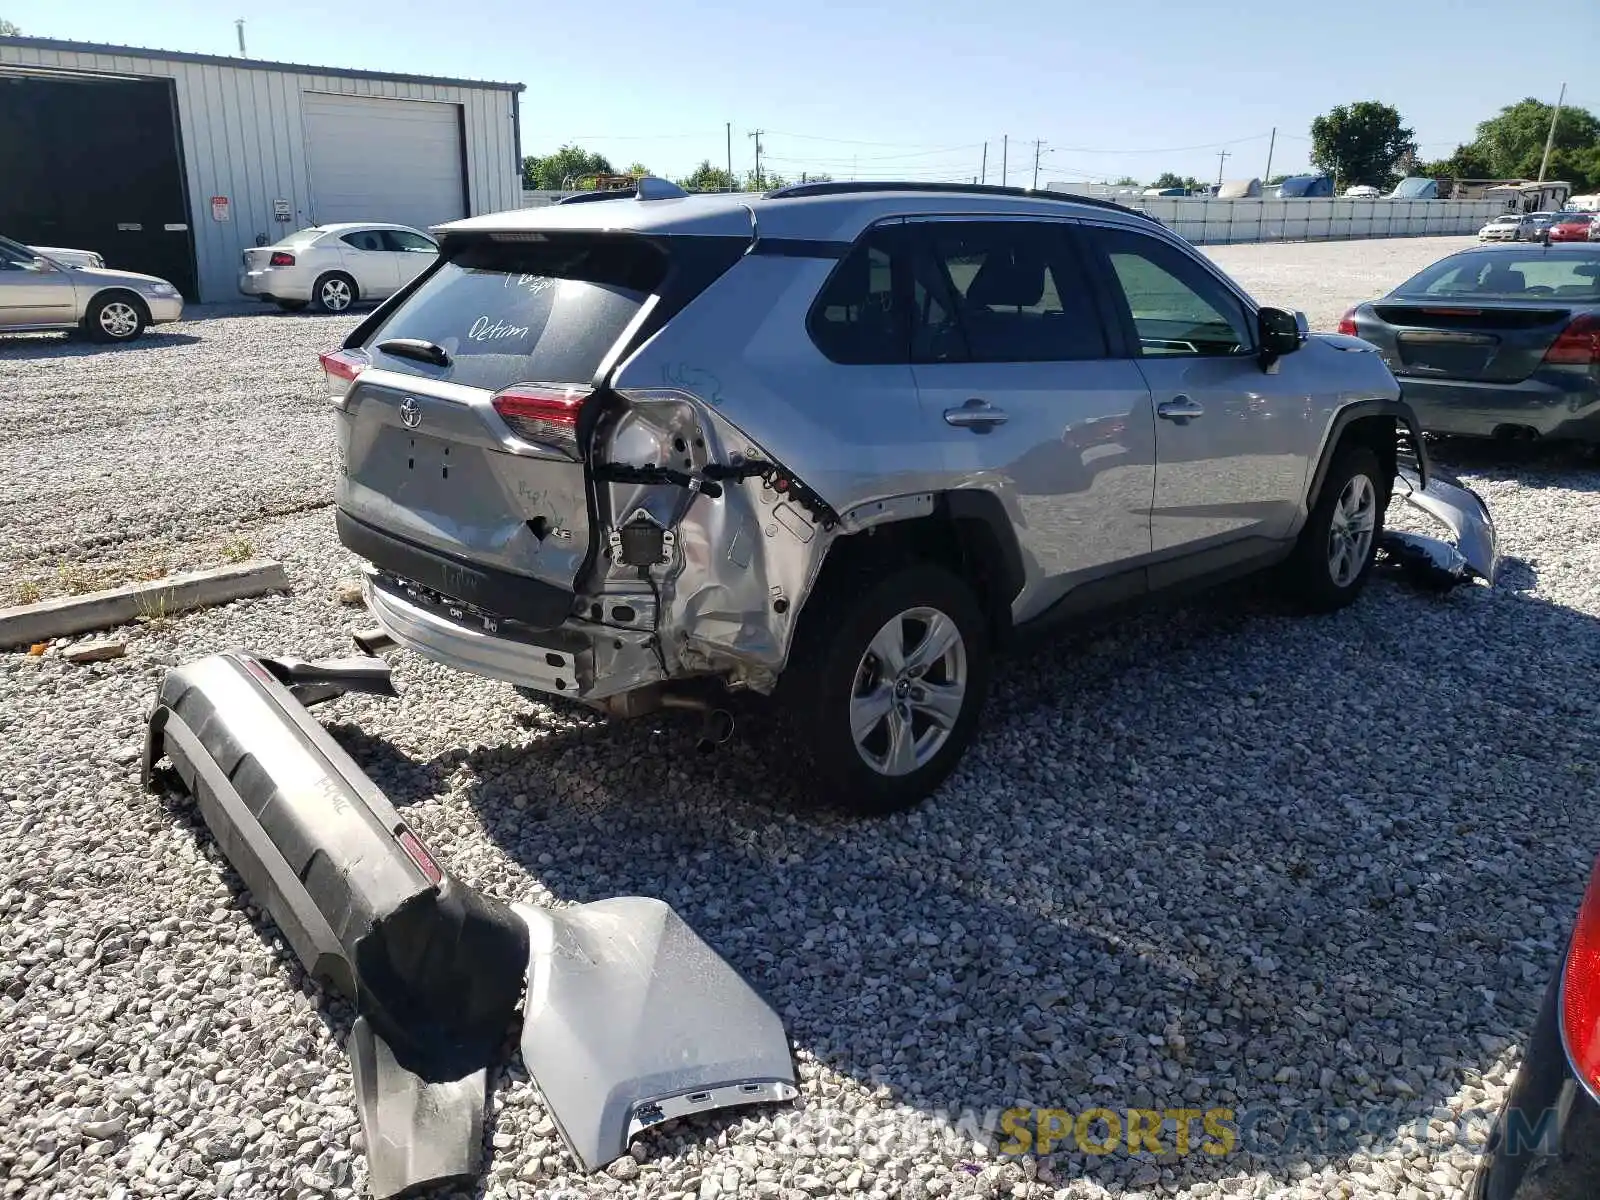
<point x="219" y="208"/>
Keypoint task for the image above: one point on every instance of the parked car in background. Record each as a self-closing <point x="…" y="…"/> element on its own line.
<point x="1507" y="227"/>
<point x="331" y="267"/>
<point x="624" y="451"/>
<point x="1305" y="187"/>
<point x="1545" y="1143"/>
<point x="1572" y="227"/>
<point x="1362" y="191"/>
<point x="1539" y="224"/>
<point x="70" y="258"/>
<point x="39" y="293"/>
<point x="1496" y="341"/>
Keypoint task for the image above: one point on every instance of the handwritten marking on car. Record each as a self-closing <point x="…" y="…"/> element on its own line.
<point x="492" y="329"/>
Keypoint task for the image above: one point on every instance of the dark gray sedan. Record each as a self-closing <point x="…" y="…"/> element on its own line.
<point x="1498" y="341"/>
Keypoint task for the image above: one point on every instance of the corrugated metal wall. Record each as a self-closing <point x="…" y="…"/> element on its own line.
<point x="243" y="137"/>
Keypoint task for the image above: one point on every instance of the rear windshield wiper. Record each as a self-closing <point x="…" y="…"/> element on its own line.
<point x="416" y="348"/>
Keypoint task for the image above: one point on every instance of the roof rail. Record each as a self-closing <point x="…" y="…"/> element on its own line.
<point x="857" y="186"/>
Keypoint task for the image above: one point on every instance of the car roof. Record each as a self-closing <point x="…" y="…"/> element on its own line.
<point x="828" y="212"/>
<point x="347" y="226"/>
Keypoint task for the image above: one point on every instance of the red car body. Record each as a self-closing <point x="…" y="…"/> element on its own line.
<point x="1572" y="227"/>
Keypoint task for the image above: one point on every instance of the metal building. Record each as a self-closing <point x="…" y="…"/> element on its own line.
<point x="175" y="163"/>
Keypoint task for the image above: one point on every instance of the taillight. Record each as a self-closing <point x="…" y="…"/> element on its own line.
<point x="339" y="369"/>
<point x="544" y="414"/>
<point x="1580" y="990"/>
<point x="418" y="854"/>
<point x="1578" y="345"/>
<point x="280" y="259"/>
<point x="1347" y="323"/>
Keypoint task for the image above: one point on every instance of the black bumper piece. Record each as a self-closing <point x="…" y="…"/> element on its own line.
<point x="522" y="598"/>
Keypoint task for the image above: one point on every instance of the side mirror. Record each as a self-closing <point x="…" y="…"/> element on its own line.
<point x="1280" y="332"/>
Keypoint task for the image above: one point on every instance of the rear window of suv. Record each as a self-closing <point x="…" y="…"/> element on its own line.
<point x="525" y="312"/>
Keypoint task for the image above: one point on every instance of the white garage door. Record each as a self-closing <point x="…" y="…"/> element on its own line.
<point x="383" y="160"/>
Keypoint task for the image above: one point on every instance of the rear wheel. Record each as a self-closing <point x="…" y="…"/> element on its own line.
<point x="115" y="317"/>
<point x="887" y="679"/>
<point x="1334" y="555"/>
<point x="334" y="292"/>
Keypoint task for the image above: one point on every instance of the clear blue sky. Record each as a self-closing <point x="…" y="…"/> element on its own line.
<point x="913" y="90"/>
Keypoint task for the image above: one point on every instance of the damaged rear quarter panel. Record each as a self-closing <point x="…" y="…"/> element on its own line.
<point x="737" y="368"/>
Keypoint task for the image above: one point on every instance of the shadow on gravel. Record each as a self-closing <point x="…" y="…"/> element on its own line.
<point x="1173" y="889"/>
<point x="42" y="346"/>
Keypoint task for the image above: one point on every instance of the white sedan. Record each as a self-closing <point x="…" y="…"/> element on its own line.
<point x="1508" y="227"/>
<point x="71" y="258"/>
<point x="331" y="267"/>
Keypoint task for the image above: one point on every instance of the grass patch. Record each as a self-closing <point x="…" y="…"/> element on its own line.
<point x="237" y="550"/>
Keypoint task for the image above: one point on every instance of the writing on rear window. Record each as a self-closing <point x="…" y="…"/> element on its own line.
<point x="491" y="329"/>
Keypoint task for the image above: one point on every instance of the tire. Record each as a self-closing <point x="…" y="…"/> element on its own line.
<point x="837" y="673"/>
<point x="293" y="305"/>
<point x="334" y="292"/>
<point x="115" y="317"/>
<point x="1334" y="555"/>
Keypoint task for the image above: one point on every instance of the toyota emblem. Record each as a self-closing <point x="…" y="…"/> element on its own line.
<point x="410" y="412"/>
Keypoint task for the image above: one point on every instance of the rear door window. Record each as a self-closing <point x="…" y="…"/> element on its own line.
<point x="525" y="312"/>
<point x="405" y="242"/>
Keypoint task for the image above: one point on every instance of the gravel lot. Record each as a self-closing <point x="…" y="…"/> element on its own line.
<point x="1219" y="857"/>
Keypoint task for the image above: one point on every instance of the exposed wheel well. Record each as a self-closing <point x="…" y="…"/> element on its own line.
<point x="967" y="545"/>
<point x="1378" y="432"/>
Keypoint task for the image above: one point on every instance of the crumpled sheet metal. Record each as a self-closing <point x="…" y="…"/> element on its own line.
<point x="631" y="1019"/>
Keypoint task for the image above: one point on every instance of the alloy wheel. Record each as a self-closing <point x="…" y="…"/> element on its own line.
<point x="336" y="295"/>
<point x="910" y="687"/>
<point x="119" y="319"/>
<point x="1355" y="516"/>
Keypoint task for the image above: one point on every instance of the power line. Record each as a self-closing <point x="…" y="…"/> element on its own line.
<point x="1256" y="137"/>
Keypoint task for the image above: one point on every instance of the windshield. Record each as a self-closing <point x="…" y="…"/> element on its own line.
<point x="1508" y="275"/>
<point x="1575" y="218"/>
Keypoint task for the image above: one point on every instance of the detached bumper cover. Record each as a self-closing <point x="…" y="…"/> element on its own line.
<point x="631" y="1019"/>
<point x="1476" y="551"/>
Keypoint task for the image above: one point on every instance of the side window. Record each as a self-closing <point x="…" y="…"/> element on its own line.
<point x="407" y="242"/>
<point x="859" y="318"/>
<point x="1177" y="307"/>
<point x="364" y="239"/>
<point x="1016" y="292"/>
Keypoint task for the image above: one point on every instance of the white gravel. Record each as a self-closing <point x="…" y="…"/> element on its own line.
<point x="1216" y="857"/>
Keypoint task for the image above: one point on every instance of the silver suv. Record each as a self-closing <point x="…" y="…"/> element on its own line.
<point x="839" y="443"/>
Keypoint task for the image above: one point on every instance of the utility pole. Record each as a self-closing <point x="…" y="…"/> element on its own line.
<point x="1550" y="142"/>
<point x="1005" y="155"/>
<point x="756" y="133"/>
<point x="731" y="187"/>
<point x="239" y="25"/>
<point x="1037" y="146"/>
<point x="1221" y="159"/>
<point x="984" y="171"/>
<point x="1271" y="145"/>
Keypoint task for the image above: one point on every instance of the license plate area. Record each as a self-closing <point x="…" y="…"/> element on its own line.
<point x="1460" y="355"/>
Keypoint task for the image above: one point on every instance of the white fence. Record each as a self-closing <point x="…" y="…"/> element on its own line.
<point x="1207" y="221"/>
<point x="1204" y="220"/>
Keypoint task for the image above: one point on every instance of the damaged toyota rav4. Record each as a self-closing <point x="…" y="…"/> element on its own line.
<point x="841" y="443"/>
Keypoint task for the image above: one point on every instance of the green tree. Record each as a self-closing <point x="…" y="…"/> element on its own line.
<point x="768" y="181"/>
<point x="9" y="28"/>
<point x="1362" y="142"/>
<point x="1168" y="179"/>
<point x="1512" y="142"/>
<point x="1128" y="181"/>
<point x="638" y="168"/>
<point x="706" y="178"/>
<point x="564" y="168"/>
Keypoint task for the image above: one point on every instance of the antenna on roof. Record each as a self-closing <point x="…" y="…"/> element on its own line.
<point x="239" y="25"/>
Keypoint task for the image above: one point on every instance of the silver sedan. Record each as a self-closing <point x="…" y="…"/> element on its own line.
<point x="39" y="293"/>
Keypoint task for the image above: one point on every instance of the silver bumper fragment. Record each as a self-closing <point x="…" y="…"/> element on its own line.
<point x="1476" y="552"/>
<point x="631" y="1020"/>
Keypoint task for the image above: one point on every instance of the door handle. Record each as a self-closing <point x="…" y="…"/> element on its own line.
<point x="977" y="415"/>
<point x="1179" y="409"/>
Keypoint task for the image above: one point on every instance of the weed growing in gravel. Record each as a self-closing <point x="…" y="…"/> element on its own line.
<point x="29" y="592"/>
<point x="237" y="550"/>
